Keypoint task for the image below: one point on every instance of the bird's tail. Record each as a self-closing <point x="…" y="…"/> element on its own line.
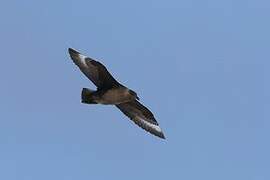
<point x="87" y="97"/>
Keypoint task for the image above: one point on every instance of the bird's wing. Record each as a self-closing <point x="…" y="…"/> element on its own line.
<point x="142" y="116"/>
<point x="94" y="70"/>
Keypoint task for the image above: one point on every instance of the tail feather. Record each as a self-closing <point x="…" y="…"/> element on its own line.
<point x="87" y="97"/>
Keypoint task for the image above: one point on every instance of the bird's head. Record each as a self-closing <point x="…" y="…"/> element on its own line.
<point x="134" y="94"/>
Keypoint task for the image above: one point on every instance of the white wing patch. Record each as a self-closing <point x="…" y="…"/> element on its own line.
<point x="82" y="58"/>
<point x="157" y="128"/>
<point x="150" y="125"/>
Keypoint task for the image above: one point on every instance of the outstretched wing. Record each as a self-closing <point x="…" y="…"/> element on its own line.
<point x="94" y="70"/>
<point x="141" y="116"/>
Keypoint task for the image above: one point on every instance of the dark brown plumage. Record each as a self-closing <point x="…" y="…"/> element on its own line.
<point x="110" y="91"/>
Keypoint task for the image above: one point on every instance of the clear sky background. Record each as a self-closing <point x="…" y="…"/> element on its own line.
<point x="202" y="67"/>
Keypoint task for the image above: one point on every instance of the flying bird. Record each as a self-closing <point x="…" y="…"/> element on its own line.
<point x="110" y="92"/>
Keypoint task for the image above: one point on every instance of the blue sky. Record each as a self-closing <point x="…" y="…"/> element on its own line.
<point x="200" y="66"/>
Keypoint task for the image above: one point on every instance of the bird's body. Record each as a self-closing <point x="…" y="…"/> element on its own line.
<point x="112" y="96"/>
<point x="111" y="92"/>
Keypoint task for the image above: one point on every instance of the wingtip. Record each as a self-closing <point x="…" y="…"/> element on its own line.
<point x="161" y="135"/>
<point x="157" y="131"/>
<point x="72" y="51"/>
